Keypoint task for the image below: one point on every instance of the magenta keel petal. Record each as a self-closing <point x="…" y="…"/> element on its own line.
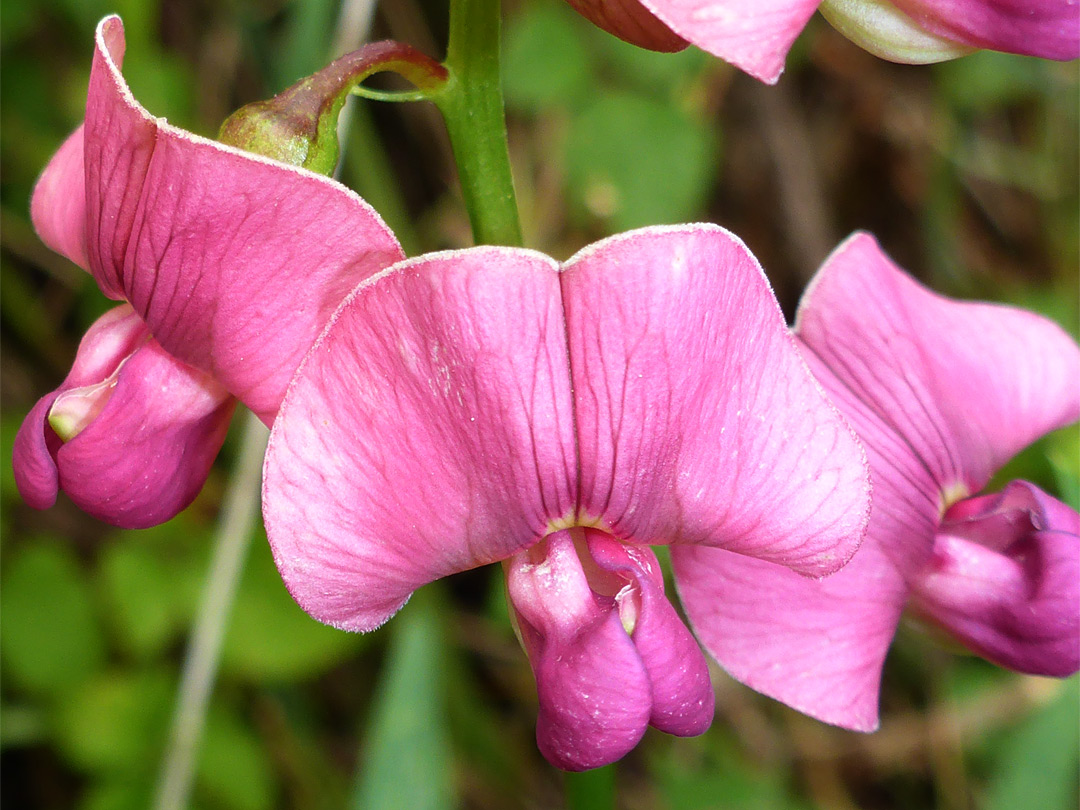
<point x="1005" y="580"/>
<point x="111" y="339"/>
<point x="594" y="692"/>
<point x="32" y="457"/>
<point x="682" y="695"/>
<point x="609" y="653"/>
<point x="138" y="429"/>
<point x="147" y="453"/>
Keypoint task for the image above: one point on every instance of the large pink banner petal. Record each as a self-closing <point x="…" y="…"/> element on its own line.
<point x="698" y="421"/>
<point x="941" y="392"/>
<point x="429" y="431"/>
<point x="236" y="262"/>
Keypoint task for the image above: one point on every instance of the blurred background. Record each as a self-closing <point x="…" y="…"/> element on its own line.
<point x="967" y="173"/>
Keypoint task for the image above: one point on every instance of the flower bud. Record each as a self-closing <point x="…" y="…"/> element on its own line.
<point x="299" y="125"/>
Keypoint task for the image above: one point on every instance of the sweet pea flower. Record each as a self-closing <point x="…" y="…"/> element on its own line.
<point x="941" y="393"/>
<point x="232" y="262"/>
<point x="492" y="404"/>
<point x="756" y="35"/>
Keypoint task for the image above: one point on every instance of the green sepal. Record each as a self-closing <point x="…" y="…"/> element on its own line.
<point x="299" y="125"/>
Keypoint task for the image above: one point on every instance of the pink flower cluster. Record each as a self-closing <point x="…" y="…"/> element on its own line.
<point x="492" y="404"/>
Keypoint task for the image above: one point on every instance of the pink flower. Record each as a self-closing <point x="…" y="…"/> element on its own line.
<point x="490" y="404"/>
<point x="941" y="393"/>
<point x="233" y="262"/>
<point x="755" y="35"/>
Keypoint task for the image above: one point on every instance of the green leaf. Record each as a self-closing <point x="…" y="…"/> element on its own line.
<point x="234" y="768"/>
<point x="989" y="81"/>
<point x="406" y="759"/>
<point x="633" y="161"/>
<point x="545" y="59"/>
<point x="9" y="426"/>
<point x="712" y="771"/>
<point x="119" y="793"/>
<point x="305" y="43"/>
<point x="1063" y="452"/>
<point x="51" y="639"/>
<point x="116" y="722"/>
<point x="151" y="581"/>
<point x="590" y="790"/>
<point x="269" y="637"/>
<point x="138" y="588"/>
<point x="1037" y="763"/>
<point x="18" y="18"/>
<point x="21" y="725"/>
<point x="650" y="71"/>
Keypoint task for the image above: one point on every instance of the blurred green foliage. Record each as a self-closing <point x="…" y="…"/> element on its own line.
<point x="406" y="742"/>
<point x="48" y="651"/>
<point x="634" y="152"/>
<point x="966" y="171"/>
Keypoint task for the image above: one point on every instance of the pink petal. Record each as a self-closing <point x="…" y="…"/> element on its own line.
<point x="592" y="686"/>
<point x="429" y="431"/>
<point x="235" y="262"/>
<point x="697" y="419"/>
<point x="682" y="695"/>
<point x="753" y="35"/>
<point x="31" y="457"/>
<point x="142" y="451"/>
<point x="816" y="645"/>
<point x="58" y="205"/>
<point x="1005" y="580"/>
<point x="1046" y="28"/>
<point x="111" y="338"/>
<point x="941" y="392"/>
<point x="631" y="21"/>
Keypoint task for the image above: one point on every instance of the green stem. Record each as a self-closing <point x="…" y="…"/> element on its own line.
<point x="472" y="105"/>
<point x="239" y="513"/>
